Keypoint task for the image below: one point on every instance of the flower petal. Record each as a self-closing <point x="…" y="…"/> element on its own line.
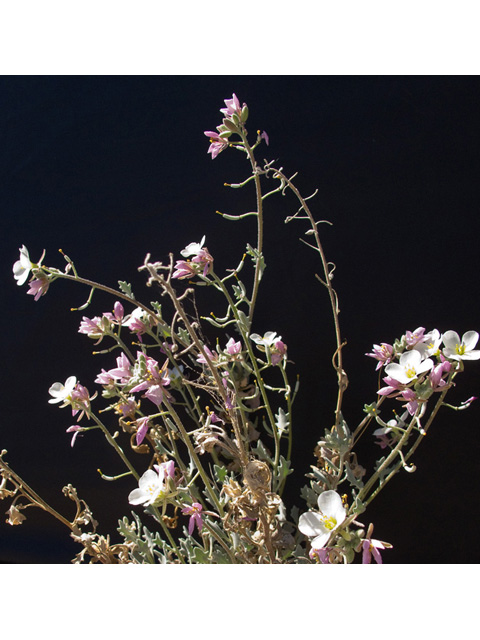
<point x="310" y="524"/>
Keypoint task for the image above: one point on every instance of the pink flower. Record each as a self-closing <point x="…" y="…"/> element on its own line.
<point x="142" y="428"/>
<point x="105" y="378"/>
<point x="39" y="286"/>
<point x="95" y="327"/>
<point x="138" y="322"/>
<point x="233" y="348"/>
<point x="392" y="386"/>
<point x="184" y="269"/>
<point x="217" y="143"/>
<point x="118" y="313"/>
<point x="232" y="106"/>
<point x="383" y="353"/>
<point x="414" y="337"/>
<point x="123" y="370"/>
<point x="278" y="351"/>
<point x="155" y="378"/>
<point x="80" y="400"/>
<point x="167" y="469"/>
<point x="200" y="262"/>
<point x="127" y="409"/>
<point x="75" y="429"/>
<point x="436" y="375"/>
<point x="213" y="357"/>
<point x="370" y="547"/>
<point x="193" y="510"/>
<point x="412" y="404"/>
<point x="323" y="555"/>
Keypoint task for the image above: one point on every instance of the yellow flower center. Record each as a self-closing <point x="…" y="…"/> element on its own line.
<point x="410" y="372"/>
<point x="329" y="523"/>
<point x="460" y="349"/>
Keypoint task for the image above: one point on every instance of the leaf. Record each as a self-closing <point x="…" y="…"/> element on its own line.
<point x="282" y="422"/>
<point x="283" y="469"/>
<point x="220" y="473"/>
<point x="126" y="288"/>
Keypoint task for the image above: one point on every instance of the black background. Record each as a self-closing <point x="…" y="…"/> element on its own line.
<point x="110" y="168"/>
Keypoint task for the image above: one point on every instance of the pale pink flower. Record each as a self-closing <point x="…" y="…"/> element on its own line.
<point x="217" y="143"/>
<point x="39" y="286"/>
<point x="414" y="337"/>
<point x="127" y="409"/>
<point x="371" y="547"/>
<point x="75" y="429"/>
<point x="233" y="348"/>
<point x="213" y="357"/>
<point x="184" y="269"/>
<point x="142" y="429"/>
<point x="383" y="353"/>
<point x="193" y="510"/>
<point x="118" y="313"/>
<point x="80" y="400"/>
<point x="123" y="370"/>
<point x="155" y="378"/>
<point x="412" y="400"/>
<point x="232" y="106"/>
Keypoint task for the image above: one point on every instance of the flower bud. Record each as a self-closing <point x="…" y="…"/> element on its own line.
<point x="232" y="127"/>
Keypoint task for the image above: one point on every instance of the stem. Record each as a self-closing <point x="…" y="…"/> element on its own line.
<point x="192" y="333"/>
<point x="169" y="535"/>
<point x="194" y="456"/>
<point x="102" y="287"/>
<point x="115" y="445"/>
<point x="331" y="293"/>
<point x="31" y="494"/>
<point x="258" y="191"/>
<point x="224" y="546"/>
<point x="253" y="360"/>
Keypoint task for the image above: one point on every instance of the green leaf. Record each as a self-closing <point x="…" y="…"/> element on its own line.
<point x="126" y="288"/>
<point x="220" y="473"/>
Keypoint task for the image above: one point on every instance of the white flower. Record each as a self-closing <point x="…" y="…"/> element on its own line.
<point x="409" y="367"/>
<point x="22" y="267"/>
<point x="62" y="392"/>
<point x="268" y="339"/>
<point x="193" y="248"/>
<point x="431" y="343"/>
<point x="463" y="349"/>
<point x="151" y="487"/>
<point x="320" y="525"/>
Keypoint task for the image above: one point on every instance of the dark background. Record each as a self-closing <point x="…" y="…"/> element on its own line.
<point x="110" y="168"/>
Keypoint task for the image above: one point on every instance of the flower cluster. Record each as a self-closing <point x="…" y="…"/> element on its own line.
<point x="411" y="373"/>
<point x="272" y="345"/>
<point x="199" y="261"/>
<point x="235" y="116"/>
<point x="21" y="270"/>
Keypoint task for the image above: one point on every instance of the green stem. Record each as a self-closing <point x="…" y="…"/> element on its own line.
<point x="258" y="191"/>
<point x="111" y="440"/>
<point x="253" y="360"/>
<point x="194" y="456"/>
<point x="169" y="535"/>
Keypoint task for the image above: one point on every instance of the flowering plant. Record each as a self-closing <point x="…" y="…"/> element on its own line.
<point x="203" y="425"/>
